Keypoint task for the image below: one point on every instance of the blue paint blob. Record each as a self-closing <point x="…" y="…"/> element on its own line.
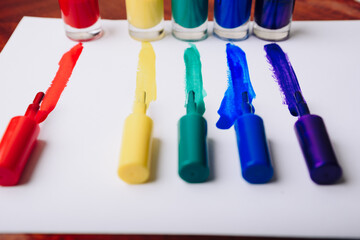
<point x="233" y="104"/>
<point x="285" y="77"/>
<point x="232" y="13"/>
<point x="273" y="14"/>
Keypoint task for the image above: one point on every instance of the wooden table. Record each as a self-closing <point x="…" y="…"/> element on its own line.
<point x="11" y="12"/>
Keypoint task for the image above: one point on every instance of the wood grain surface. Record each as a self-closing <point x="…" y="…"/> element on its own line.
<point x="127" y="237"/>
<point x="11" y="12"/>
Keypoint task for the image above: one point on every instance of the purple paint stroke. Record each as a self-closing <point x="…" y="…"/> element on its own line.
<point x="239" y="82"/>
<point x="284" y="75"/>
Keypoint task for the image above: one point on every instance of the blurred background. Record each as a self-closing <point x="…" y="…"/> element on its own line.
<point x="11" y="11"/>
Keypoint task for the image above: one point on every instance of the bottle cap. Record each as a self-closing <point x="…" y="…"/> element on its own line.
<point x="253" y="149"/>
<point x="15" y="148"/>
<point x="18" y="142"/>
<point x="317" y="149"/>
<point x="193" y="157"/>
<point x="134" y="166"/>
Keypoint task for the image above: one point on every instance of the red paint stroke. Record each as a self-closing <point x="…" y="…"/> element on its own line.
<point x="52" y="95"/>
<point x="80" y="13"/>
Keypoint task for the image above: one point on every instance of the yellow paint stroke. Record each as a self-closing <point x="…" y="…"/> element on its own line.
<point x="134" y="166"/>
<point x="145" y="80"/>
<point x="145" y="14"/>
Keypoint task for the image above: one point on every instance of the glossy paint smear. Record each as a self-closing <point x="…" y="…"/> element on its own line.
<point x="285" y="76"/>
<point x="194" y="80"/>
<point x="238" y="82"/>
<point x="52" y="95"/>
<point x="146" y="76"/>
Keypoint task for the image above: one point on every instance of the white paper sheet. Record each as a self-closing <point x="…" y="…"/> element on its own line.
<point x="71" y="185"/>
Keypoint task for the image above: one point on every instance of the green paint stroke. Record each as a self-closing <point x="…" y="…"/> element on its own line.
<point x="190" y="13"/>
<point x="194" y="83"/>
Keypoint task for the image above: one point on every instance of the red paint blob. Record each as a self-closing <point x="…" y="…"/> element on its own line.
<point x="80" y="13"/>
<point x="52" y="95"/>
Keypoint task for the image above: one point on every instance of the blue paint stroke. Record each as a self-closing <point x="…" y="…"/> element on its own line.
<point x="240" y="92"/>
<point x="286" y="79"/>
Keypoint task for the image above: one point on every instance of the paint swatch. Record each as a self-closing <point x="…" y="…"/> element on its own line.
<point x="145" y="80"/>
<point x="238" y="83"/>
<point x="194" y="80"/>
<point x="52" y="95"/>
<point x="284" y="75"/>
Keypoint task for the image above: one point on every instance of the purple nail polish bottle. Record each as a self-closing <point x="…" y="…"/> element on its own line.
<point x="273" y="19"/>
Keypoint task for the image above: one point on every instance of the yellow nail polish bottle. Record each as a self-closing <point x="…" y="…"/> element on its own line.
<point x="146" y="19"/>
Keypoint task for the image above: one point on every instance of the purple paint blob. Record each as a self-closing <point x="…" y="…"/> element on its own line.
<point x="234" y="104"/>
<point x="284" y="75"/>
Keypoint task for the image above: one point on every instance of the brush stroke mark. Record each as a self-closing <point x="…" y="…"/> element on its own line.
<point x="53" y="93"/>
<point x="194" y="82"/>
<point x="240" y="91"/>
<point x="146" y="77"/>
<point x="285" y="77"/>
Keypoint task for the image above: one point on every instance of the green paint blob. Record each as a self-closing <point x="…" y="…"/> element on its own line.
<point x="190" y="13"/>
<point x="194" y="91"/>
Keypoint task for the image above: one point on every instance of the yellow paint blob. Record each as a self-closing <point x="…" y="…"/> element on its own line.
<point x="134" y="166"/>
<point x="146" y="76"/>
<point x="145" y="14"/>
